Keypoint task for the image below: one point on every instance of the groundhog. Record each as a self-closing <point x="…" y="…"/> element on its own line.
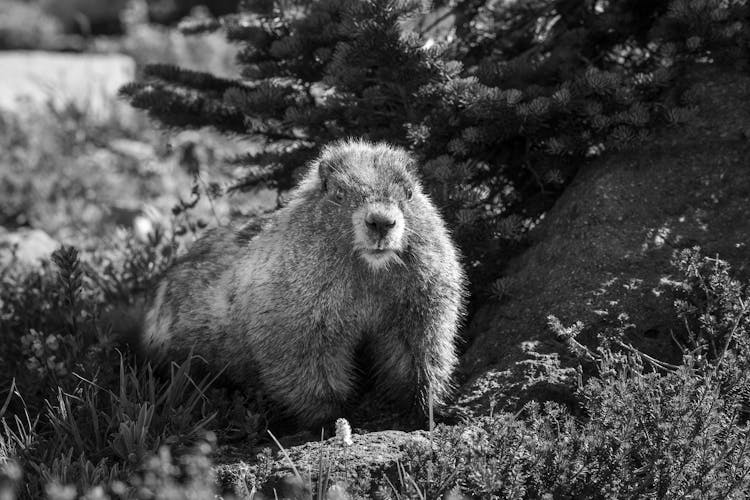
<point x="359" y="261"/>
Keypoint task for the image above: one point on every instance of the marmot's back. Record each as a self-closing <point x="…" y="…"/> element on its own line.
<point x="360" y="260"/>
<point x="196" y="277"/>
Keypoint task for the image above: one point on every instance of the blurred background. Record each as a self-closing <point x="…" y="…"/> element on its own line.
<point x="77" y="164"/>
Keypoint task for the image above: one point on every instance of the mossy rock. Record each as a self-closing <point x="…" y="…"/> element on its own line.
<point x="605" y="247"/>
<point x="362" y="465"/>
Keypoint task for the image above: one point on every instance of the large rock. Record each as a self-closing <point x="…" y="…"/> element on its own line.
<point x="605" y="247"/>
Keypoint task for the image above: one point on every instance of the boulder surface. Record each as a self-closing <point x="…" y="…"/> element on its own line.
<point x="605" y="247"/>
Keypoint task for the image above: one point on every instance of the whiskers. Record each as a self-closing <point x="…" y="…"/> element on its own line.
<point x="397" y="259"/>
<point x="414" y="234"/>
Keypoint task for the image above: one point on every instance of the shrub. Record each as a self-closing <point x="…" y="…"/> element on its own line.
<point x="645" y="435"/>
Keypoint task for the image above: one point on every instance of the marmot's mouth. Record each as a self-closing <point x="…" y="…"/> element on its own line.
<point x="380" y="252"/>
<point x="380" y="258"/>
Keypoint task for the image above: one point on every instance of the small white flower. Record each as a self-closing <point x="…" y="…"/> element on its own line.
<point x="52" y="343"/>
<point x="344" y="432"/>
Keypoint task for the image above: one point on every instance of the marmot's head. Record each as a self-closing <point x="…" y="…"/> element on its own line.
<point x="372" y="187"/>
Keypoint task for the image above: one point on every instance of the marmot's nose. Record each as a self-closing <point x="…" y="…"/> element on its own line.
<point x="379" y="223"/>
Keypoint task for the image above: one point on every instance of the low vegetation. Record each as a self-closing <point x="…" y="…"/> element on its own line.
<point x="77" y="408"/>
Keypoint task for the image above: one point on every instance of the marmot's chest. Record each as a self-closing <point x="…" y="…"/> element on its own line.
<point x="359" y="301"/>
<point x="377" y="304"/>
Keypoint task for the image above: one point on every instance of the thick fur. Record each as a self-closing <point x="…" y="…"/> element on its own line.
<point x="291" y="305"/>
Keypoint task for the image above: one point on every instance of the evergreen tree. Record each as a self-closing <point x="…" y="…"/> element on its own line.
<point x="501" y="107"/>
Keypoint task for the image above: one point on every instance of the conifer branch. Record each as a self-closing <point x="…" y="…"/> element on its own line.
<point x="195" y="80"/>
<point x="176" y="109"/>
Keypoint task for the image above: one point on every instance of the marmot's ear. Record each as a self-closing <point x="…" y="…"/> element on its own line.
<point x="324" y="171"/>
<point x="411" y="164"/>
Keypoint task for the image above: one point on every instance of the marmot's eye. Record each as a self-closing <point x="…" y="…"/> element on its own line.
<point x="339" y="194"/>
<point x="409" y="193"/>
